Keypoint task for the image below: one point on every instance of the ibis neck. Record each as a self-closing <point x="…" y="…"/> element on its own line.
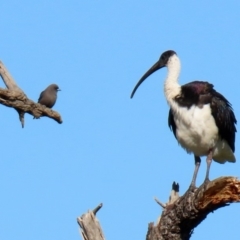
<point x="171" y="85"/>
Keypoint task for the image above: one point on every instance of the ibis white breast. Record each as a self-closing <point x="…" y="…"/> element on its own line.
<point x="198" y="133"/>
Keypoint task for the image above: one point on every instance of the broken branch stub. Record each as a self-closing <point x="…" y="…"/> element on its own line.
<point x="90" y="226"/>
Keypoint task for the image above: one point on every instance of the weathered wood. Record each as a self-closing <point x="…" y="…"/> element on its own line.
<point x="15" y="98"/>
<point x="179" y="218"/>
<point x="19" y="101"/>
<point x="8" y="79"/>
<point x="11" y="85"/>
<point x="180" y="215"/>
<point x="89" y="225"/>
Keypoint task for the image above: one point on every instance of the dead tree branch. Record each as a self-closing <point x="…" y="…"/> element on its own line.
<point x="179" y="218"/>
<point x="15" y="98"/>
<point x="90" y="227"/>
<point x="181" y="214"/>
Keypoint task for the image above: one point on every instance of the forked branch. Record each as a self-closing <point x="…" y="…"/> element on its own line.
<point x="15" y="98"/>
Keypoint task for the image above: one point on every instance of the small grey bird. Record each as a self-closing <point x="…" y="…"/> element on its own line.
<point x="48" y="97"/>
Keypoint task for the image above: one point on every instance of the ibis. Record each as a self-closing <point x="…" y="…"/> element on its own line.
<point x="202" y="119"/>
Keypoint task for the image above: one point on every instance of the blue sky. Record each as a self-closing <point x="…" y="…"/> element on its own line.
<point x="110" y="148"/>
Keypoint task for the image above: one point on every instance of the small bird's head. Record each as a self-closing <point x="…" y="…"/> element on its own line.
<point x="54" y="87"/>
<point x="162" y="62"/>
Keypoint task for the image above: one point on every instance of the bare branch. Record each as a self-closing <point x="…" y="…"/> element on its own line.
<point x="95" y="210"/>
<point x="180" y="218"/>
<point x="8" y="79"/>
<point x="14" y="97"/>
<point x="180" y="215"/>
<point x="163" y="205"/>
<point x="90" y="227"/>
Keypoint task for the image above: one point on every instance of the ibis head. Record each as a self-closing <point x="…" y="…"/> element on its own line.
<point x="162" y="62"/>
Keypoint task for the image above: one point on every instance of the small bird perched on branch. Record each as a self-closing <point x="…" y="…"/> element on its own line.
<point x="48" y="97"/>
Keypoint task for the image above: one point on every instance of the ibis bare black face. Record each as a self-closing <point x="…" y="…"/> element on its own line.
<point x="162" y="62"/>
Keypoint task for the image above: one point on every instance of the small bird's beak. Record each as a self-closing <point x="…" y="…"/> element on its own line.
<point x="153" y="69"/>
<point x="59" y="90"/>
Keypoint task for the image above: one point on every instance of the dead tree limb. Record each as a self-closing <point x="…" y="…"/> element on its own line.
<point x="89" y="225"/>
<point x="180" y="215"/>
<point x="15" y="98"/>
<point x="179" y="218"/>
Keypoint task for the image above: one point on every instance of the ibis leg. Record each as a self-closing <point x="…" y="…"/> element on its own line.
<point x="197" y="165"/>
<point x="209" y="161"/>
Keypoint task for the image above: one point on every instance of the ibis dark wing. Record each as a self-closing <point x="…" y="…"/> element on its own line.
<point x="195" y="93"/>
<point x="200" y="93"/>
<point x="224" y="117"/>
<point x="171" y="122"/>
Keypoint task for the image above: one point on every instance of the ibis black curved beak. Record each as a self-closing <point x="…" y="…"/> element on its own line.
<point x="153" y="69"/>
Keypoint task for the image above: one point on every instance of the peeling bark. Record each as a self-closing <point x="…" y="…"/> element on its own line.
<point x="181" y="214"/>
<point x="179" y="219"/>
